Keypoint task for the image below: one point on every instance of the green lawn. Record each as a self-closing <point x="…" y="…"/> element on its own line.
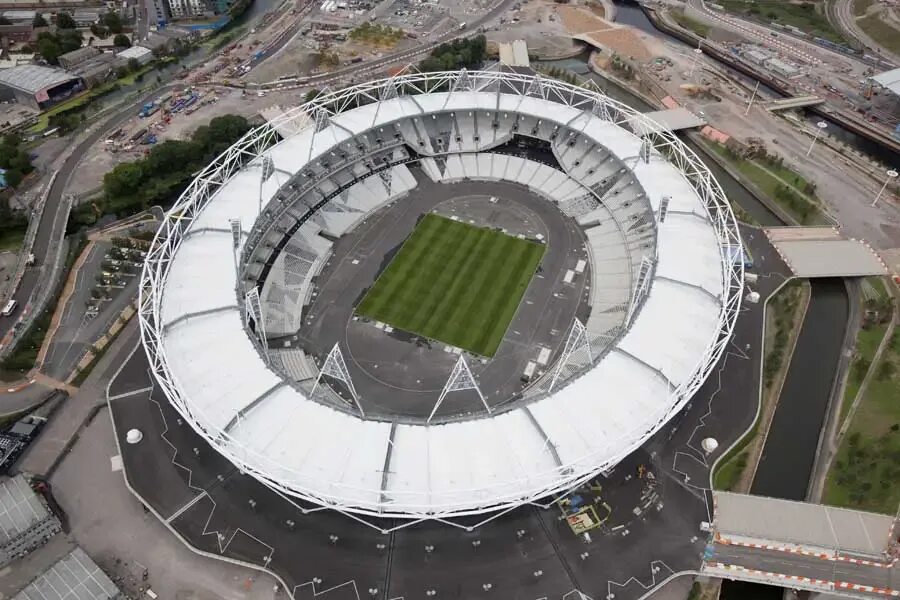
<point x="455" y="283"/>
<point x="701" y="29"/>
<point x="11" y="240"/>
<point x="807" y="16"/>
<point x="881" y="31"/>
<point x="866" y="470"/>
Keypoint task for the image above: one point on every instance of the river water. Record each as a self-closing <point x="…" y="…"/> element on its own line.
<point x="786" y="464"/>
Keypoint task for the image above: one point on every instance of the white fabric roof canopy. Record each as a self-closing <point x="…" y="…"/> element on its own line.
<point x="316" y="452"/>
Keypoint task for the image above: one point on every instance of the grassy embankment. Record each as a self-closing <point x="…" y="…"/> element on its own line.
<point x="781" y="315"/>
<point x="865" y="473"/>
<point x="807" y="16"/>
<point x="781" y="184"/>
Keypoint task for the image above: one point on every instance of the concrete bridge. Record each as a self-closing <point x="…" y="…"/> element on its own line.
<point x="804" y="546"/>
<point x="795" y="102"/>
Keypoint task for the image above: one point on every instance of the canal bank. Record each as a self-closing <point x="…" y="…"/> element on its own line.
<point x="795" y="433"/>
<point x="844" y="127"/>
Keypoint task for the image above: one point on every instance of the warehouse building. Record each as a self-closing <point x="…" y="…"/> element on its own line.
<point x="74" y="577"/>
<point x="139" y="53"/>
<point x="25" y="521"/>
<point x="38" y="87"/>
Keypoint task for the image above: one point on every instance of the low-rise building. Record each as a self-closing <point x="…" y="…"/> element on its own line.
<point x="38" y="86"/>
<point x="782" y="68"/>
<point x="756" y="56"/>
<point x="76" y="57"/>
<point x="25" y="521"/>
<point x="138" y="53"/>
<point x="74" y="577"/>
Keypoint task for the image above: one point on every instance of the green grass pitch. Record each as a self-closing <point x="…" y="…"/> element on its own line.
<point x="455" y="283"/>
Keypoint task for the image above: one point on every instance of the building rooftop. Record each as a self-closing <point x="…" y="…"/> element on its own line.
<point x="133" y="52"/>
<point x="33" y="78"/>
<point x="20" y="508"/>
<point x="74" y="577"/>
<point x="80" y="55"/>
<point x="889" y="79"/>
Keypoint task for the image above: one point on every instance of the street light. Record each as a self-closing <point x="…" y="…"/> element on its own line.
<point x="891" y="174"/>
<point x="697" y="53"/>
<point x="820" y="127"/>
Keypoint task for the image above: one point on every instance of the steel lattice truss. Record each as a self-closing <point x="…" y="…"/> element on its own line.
<point x="316" y="114"/>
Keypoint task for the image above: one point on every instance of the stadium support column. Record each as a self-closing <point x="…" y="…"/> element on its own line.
<point x="461" y="379"/>
<point x="335" y="367"/>
<point x="576" y="344"/>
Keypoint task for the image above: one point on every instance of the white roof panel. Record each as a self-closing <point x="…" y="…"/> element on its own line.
<point x="591" y="422"/>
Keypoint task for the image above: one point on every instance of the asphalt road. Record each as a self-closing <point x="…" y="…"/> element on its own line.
<point x="788" y="563"/>
<point x="846" y="21"/>
<point x="45" y="242"/>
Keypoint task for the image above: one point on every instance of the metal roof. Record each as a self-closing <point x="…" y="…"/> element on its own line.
<point x="306" y="448"/>
<point x="74" y="577"/>
<point x="20" y="508"/>
<point x="809" y="525"/>
<point x="889" y="79"/>
<point x="134" y="52"/>
<point x="33" y="78"/>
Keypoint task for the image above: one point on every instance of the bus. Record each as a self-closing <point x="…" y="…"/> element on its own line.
<point x="9" y="308"/>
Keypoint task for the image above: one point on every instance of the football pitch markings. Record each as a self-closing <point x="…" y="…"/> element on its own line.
<point x="454" y="283"/>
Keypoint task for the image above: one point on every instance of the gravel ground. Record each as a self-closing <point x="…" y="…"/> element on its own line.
<point x="110" y="524"/>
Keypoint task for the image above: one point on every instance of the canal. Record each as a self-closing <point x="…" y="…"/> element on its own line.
<point x="786" y="463"/>
<point x="630" y="13"/>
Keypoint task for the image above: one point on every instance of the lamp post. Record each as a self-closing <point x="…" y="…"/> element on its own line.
<point x="697" y="53"/>
<point x="820" y="127"/>
<point x="752" y="97"/>
<point x="891" y="175"/>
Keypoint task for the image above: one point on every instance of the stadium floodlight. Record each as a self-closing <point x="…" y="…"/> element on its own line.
<point x="646" y="147"/>
<point x="335" y="367"/>
<point x="663" y="209"/>
<point x="254" y="311"/>
<point x="235" y="233"/>
<point x="576" y="344"/>
<point x="268" y="167"/>
<point x="460" y="379"/>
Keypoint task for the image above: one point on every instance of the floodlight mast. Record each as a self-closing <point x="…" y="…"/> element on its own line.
<point x="460" y="379"/>
<point x="335" y="367"/>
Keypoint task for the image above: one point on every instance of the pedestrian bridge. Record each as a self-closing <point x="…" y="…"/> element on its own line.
<point x="672" y="119"/>
<point x="794" y="102"/>
<point x="804" y="546"/>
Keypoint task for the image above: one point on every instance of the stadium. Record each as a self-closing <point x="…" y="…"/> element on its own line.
<point x="441" y="295"/>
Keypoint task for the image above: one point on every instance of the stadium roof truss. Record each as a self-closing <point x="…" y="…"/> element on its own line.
<point x="369" y="469"/>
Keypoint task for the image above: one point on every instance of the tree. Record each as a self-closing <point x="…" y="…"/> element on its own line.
<point x="311" y="95"/>
<point x="100" y="31"/>
<point x="112" y="21"/>
<point x="65" y="21"/>
<point x="121" y="40"/>
<point x="39" y="21"/>
<point x="47" y="45"/>
<point x="125" y="179"/>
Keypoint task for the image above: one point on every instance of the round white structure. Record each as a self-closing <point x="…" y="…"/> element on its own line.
<point x="656" y="222"/>
<point x="134" y="436"/>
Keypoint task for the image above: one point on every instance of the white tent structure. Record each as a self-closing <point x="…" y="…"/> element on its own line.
<point x="665" y="299"/>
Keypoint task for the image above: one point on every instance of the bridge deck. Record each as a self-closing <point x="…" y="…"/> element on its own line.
<point x="824" y="252"/>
